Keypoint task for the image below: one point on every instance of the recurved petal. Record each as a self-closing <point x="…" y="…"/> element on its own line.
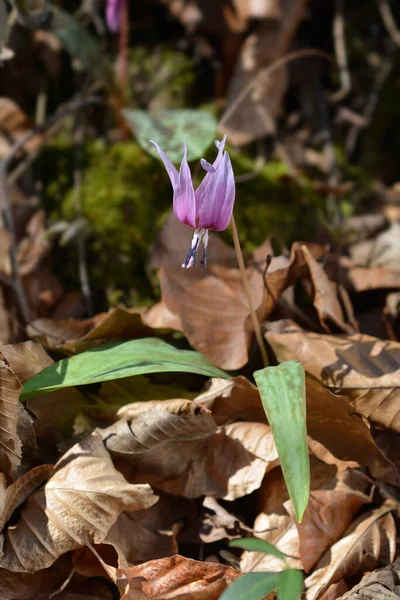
<point x="184" y="198"/>
<point x="215" y="201"/>
<point x="171" y="170"/>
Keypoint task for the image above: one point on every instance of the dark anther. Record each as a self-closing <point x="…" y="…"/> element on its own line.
<point x="192" y="253"/>
<point x="204" y="259"/>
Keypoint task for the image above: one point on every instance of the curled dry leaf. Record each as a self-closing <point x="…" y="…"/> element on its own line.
<point x="18" y="492"/>
<point x="175" y="446"/>
<point x="175" y="577"/>
<point x="364" y="368"/>
<point x="369" y="542"/>
<point x="326" y="301"/>
<point x="80" y="502"/>
<point x="381" y="583"/>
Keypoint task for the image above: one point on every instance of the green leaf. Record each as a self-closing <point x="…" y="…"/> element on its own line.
<point x="283" y="396"/>
<point x="251" y="586"/>
<point x="116" y="360"/>
<point x="290" y="585"/>
<point x="76" y="39"/>
<point x="171" y="129"/>
<point x="257" y="545"/>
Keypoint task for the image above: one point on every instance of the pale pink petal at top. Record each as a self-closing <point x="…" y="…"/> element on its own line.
<point x="201" y="194"/>
<point x="113" y="14"/>
<point x="217" y="197"/>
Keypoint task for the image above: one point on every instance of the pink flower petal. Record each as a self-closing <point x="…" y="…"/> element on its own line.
<point x="184" y="198"/>
<point x="113" y="14"/>
<point x="171" y="170"/>
<point x="215" y="202"/>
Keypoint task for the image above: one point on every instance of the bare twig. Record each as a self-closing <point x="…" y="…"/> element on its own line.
<point x="388" y="21"/>
<point x="243" y="274"/>
<point x="16" y="281"/>
<point x="339" y="41"/>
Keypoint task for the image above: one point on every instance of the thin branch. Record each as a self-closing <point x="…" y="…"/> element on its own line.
<point x="243" y="274"/>
<point x="388" y="21"/>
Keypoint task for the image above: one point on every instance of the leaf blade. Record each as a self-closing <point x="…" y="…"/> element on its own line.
<point x="257" y="545"/>
<point x="117" y="360"/>
<point x="282" y="391"/>
<point x="251" y="586"/>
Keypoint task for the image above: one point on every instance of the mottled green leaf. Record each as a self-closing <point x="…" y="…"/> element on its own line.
<point x="117" y="360"/>
<point x="251" y="586"/>
<point x="290" y="585"/>
<point x="283" y="396"/>
<point x="257" y="545"/>
<point x="171" y="128"/>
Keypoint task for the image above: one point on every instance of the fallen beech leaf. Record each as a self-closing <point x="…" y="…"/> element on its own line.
<point x="281" y="532"/>
<point x="152" y="532"/>
<point x="364" y="368"/>
<point x="218" y="524"/>
<point x="176" y="577"/>
<point x="19" y="491"/>
<point x="174" y="446"/>
<point x="59" y="408"/>
<point x="39" y="586"/>
<point x="76" y="335"/>
<point x="381" y="583"/>
<point x="10" y="443"/>
<point x="35" y="245"/>
<point x="200" y="298"/>
<point x="368" y="542"/>
<point x="331" y="421"/>
<point x="80" y="502"/>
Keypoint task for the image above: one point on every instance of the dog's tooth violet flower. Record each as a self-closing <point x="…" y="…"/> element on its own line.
<point x="113" y="14"/>
<point x="210" y="206"/>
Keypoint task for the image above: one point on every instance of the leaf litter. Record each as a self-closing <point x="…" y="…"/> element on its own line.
<point x="133" y="486"/>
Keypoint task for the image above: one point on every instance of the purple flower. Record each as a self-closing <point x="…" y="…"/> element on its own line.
<point x="210" y="206"/>
<point x="113" y="14"/>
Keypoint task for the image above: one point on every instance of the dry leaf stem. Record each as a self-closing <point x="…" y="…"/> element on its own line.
<point x="243" y="274"/>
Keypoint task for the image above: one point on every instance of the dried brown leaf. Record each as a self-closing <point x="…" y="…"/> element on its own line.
<point x="176" y="577"/>
<point x="381" y="584"/>
<point x="76" y="335"/>
<point x="367" y="543"/>
<point x="58" y="408"/>
<point x="331" y="421"/>
<point x="39" y="586"/>
<point x="326" y="301"/>
<point x="10" y="443"/>
<point x="79" y="503"/>
<point x="174" y="446"/>
<point x="364" y="368"/>
<point x="255" y="116"/>
<point x="199" y="299"/>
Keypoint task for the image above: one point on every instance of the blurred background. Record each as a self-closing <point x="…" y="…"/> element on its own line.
<point x="307" y="92"/>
